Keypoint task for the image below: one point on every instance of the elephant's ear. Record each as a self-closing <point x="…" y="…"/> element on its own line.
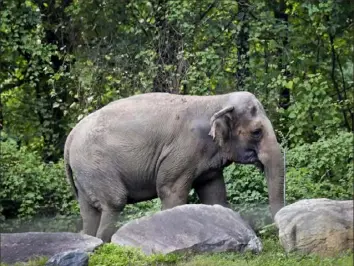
<point x="221" y="126"/>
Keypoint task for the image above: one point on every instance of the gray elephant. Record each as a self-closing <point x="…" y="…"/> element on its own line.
<point x="163" y="145"/>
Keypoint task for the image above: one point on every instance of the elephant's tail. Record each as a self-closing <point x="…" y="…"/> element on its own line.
<point x="68" y="170"/>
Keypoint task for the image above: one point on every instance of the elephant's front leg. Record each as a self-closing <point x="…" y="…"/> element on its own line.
<point x="211" y="189"/>
<point x="173" y="194"/>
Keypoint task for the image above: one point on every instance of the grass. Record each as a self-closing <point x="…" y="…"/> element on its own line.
<point x="40" y="261"/>
<point x="113" y="255"/>
<point x="272" y="255"/>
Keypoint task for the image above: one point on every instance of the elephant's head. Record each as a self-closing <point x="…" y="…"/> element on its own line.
<point x="245" y="135"/>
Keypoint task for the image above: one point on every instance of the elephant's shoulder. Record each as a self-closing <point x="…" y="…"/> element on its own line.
<point x="199" y="129"/>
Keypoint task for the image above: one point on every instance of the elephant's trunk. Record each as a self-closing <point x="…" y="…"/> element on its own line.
<point x="272" y="159"/>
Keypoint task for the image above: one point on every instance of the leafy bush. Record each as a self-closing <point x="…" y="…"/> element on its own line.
<point x="245" y="185"/>
<point x="313" y="114"/>
<point x="30" y="187"/>
<point x="322" y="169"/>
<point x="138" y="210"/>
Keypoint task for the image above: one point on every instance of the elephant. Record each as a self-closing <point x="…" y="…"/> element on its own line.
<point x="162" y="145"/>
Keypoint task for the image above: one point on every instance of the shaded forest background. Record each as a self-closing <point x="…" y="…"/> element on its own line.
<point x="62" y="59"/>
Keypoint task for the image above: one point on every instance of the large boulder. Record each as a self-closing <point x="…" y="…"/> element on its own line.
<point x="21" y="247"/>
<point x="320" y="226"/>
<point x="189" y="228"/>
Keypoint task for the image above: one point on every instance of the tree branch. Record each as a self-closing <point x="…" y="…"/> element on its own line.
<point x="201" y="17"/>
<point x="333" y="77"/>
<point x="206" y="12"/>
<point x="217" y="37"/>
<point x="344" y="87"/>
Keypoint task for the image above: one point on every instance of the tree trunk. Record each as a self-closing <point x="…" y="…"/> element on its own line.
<point x="242" y="44"/>
<point x="167" y="46"/>
<point x="282" y="18"/>
<point x="335" y="83"/>
<point x="1" y="115"/>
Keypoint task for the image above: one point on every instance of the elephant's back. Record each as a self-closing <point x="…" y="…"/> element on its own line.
<point x="121" y="112"/>
<point x="157" y="114"/>
<point x="148" y="105"/>
<point x="122" y="134"/>
<point x="139" y="122"/>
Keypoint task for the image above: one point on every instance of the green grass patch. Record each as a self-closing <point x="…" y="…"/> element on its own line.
<point x="39" y="261"/>
<point x="113" y="255"/>
<point x="272" y="255"/>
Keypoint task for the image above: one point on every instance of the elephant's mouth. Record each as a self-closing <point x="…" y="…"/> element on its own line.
<point x="249" y="156"/>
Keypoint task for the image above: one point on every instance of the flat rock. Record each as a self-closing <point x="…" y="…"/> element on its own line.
<point x="69" y="258"/>
<point x="321" y="226"/>
<point x="189" y="228"/>
<point x="21" y="247"/>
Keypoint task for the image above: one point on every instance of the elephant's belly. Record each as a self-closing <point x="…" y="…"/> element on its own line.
<point x="141" y="190"/>
<point x="141" y="196"/>
<point x="140" y="199"/>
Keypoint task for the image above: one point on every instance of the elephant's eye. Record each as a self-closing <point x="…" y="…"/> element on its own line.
<point x="256" y="133"/>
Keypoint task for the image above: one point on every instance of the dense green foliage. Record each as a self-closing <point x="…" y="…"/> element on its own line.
<point x="29" y="187"/>
<point x="322" y="169"/>
<point x="61" y="59"/>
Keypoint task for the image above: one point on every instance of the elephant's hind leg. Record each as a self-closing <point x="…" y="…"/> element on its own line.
<point x="90" y="217"/>
<point x="112" y="202"/>
<point x="108" y="222"/>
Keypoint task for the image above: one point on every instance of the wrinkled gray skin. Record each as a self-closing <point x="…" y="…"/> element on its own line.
<point x="163" y="145"/>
